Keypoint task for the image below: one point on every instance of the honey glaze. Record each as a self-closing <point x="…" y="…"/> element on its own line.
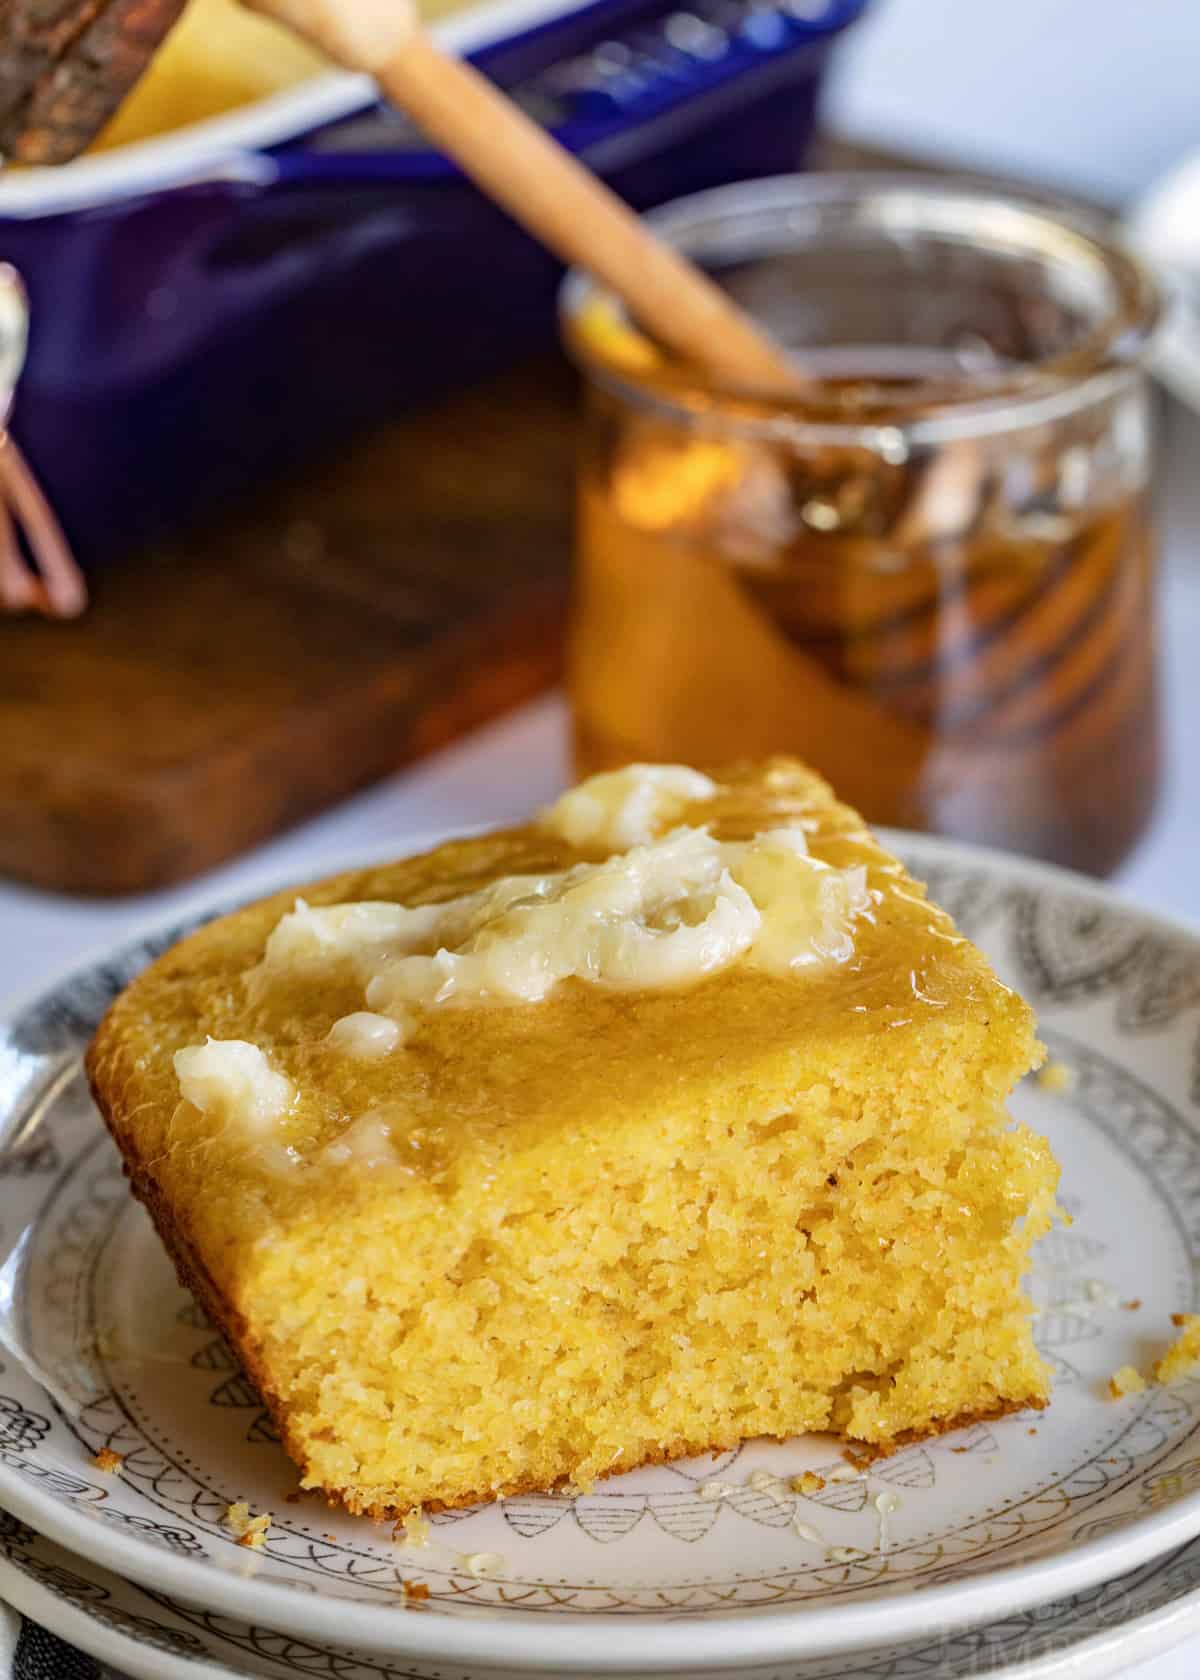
<point x="772" y="895"/>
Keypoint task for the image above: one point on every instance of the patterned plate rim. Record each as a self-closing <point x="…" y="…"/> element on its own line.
<point x="125" y="1655"/>
<point x="570" y="1641"/>
<point x="1108" y="1652"/>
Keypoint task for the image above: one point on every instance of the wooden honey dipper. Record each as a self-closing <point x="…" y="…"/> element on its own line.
<point x="554" y="196"/>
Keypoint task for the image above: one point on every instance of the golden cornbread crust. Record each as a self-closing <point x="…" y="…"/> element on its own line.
<point x="862" y="1455"/>
<point x="194" y="1277"/>
<point x="635" y="1227"/>
<point x="859" y="1456"/>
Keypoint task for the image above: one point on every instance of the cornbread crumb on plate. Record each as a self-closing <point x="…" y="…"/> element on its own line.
<point x="1057" y="1076"/>
<point x="1184" y="1352"/>
<point x="809" y="1482"/>
<point x="1127" y="1380"/>
<point x="692" y="1130"/>
<point x="108" y="1461"/>
<point x="413" y="1529"/>
<point x="1179" y="1360"/>
<point x="483" y="1566"/>
<point x="247" y="1530"/>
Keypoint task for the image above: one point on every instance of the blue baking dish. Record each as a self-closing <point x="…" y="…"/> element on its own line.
<point x="220" y="304"/>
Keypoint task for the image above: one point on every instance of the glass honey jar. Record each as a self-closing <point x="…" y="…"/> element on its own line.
<point x="930" y="573"/>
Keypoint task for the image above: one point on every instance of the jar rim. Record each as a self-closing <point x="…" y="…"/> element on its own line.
<point x="1106" y="357"/>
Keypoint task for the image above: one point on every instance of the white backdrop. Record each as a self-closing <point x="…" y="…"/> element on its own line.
<point x="1095" y="95"/>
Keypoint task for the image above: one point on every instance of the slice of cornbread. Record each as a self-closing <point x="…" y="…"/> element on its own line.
<point x="528" y="1206"/>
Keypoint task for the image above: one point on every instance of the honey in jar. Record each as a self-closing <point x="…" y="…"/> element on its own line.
<point x="930" y="575"/>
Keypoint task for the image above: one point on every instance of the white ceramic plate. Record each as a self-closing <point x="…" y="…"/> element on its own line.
<point x="103" y="1349"/>
<point x="147" y="1635"/>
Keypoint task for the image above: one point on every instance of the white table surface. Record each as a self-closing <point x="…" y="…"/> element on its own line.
<point x="502" y="771"/>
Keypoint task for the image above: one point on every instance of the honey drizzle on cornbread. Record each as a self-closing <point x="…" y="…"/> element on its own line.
<point x="656" y="912"/>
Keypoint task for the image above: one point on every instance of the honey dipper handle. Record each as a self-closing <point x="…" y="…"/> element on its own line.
<point x="524" y="170"/>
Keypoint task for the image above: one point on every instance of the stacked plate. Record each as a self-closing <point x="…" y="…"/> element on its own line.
<point x="1040" y="1545"/>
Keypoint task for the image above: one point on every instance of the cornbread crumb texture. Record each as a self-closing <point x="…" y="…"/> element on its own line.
<point x="613" y="1227"/>
<point x="108" y="1461"/>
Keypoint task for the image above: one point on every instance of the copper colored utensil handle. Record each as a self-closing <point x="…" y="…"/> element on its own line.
<point x="57" y="588"/>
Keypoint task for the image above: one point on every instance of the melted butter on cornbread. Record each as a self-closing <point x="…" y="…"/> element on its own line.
<point x="232" y="1082"/>
<point x="229" y="1077"/>
<point x="623" y="808"/>
<point x="664" y="914"/>
<point x="657" y="913"/>
<point x="366" y="1034"/>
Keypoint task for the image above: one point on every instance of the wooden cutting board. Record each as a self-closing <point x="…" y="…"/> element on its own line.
<point x="228" y="684"/>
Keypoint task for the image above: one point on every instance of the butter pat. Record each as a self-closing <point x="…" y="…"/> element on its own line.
<point x="368" y="1036"/>
<point x="667" y="907"/>
<point x="807" y="908"/>
<point x="623" y="808"/>
<point x="234" y="1082"/>
<point x="307" y="939"/>
<point x="656" y="916"/>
